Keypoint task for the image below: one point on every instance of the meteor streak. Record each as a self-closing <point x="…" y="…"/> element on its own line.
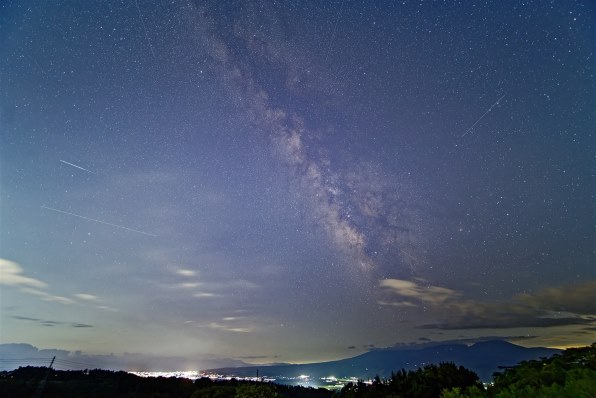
<point x="481" y="117"/>
<point x="98" y="221"/>
<point x="78" y="167"/>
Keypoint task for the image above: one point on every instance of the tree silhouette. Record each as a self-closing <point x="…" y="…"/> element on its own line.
<point x="247" y="390"/>
<point x="426" y="382"/>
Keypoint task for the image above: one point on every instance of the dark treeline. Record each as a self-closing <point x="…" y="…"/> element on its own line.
<point x="426" y="382"/>
<point x="571" y="374"/>
<point x="25" y="381"/>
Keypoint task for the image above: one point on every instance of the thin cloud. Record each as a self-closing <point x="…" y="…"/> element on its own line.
<point x="426" y="342"/>
<point x="411" y="290"/>
<point x="11" y="274"/>
<point x="227" y="328"/>
<point x="228" y="324"/>
<point x="48" y="297"/>
<point x="188" y="285"/>
<point x="106" y="308"/>
<point x="221" y="289"/>
<point x="578" y="299"/>
<point x="506" y="322"/>
<point x="553" y="306"/>
<point x="81" y="325"/>
<point x="205" y="295"/>
<point x="253" y="357"/>
<point x="186" y="272"/>
<point x="397" y="303"/>
<point x="86" y="297"/>
<point x="51" y="323"/>
<point x="25" y="318"/>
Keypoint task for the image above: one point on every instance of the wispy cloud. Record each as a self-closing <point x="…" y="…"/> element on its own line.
<point x="205" y="295"/>
<point x="554" y="306"/>
<point x="81" y="325"/>
<point x="186" y="272"/>
<point x="254" y="357"/>
<point x="578" y="298"/>
<point x="86" y="297"/>
<point x="230" y="318"/>
<point x="510" y="320"/>
<point x="11" y="274"/>
<point x="425" y="341"/>
<point x="189" y="285"/>
<point x="48" y="297"/>
<point x="415" y="291"/>
<point x="226" y="328"/>
<point x="26" y="318"/>
<point x="233" y="324"/>
<point x="51" y="323"/>
<point x="219" y="288"/>
<point x="397" y="303"/>
<point x="106" y="308"/>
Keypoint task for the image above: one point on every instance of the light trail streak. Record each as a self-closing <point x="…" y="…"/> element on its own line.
<point x="98" y="221"/>
<point x="78" y="167"/>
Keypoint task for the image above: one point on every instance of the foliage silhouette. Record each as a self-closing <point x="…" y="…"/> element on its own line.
<point x="425" y="382"/>
<point x="569" y="374"/>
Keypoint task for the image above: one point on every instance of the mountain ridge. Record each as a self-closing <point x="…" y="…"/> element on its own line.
<point x="484" y="358"/>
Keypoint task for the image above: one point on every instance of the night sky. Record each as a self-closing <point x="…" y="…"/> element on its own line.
<point x="294" y="181"/>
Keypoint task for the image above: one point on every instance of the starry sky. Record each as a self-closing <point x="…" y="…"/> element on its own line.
<point x="288" y="181"/>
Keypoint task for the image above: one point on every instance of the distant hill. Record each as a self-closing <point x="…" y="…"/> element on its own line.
<point x="484" y="358"/>
<point x="13" y="355"/>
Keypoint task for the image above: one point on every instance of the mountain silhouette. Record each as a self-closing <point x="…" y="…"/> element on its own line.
<point x="484" y="358"/>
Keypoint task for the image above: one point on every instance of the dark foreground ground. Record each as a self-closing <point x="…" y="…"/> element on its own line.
<point x="97" y="383"/>
<point x="570" y="374"/>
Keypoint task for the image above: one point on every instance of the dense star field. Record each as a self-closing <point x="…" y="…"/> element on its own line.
<point x="286" y="181"/>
